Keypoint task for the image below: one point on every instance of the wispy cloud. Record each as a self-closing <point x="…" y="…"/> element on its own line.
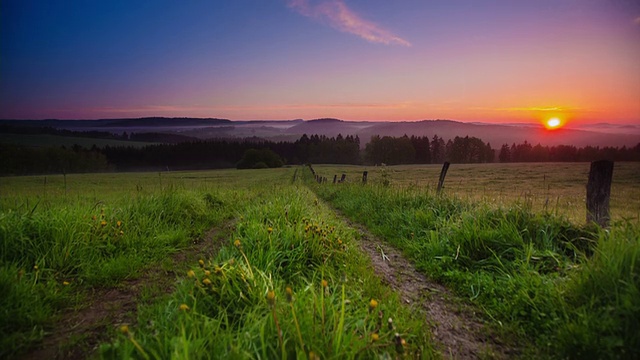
<point x="637" y="20"/>
<point x="336" y="14"/>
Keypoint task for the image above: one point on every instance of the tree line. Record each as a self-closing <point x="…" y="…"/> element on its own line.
<point x="259" y="153"/>
<point x="526" y="152"/>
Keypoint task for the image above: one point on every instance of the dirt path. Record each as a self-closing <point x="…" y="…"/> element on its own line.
<point x="80" y="331"/>
<point x="458" y="332"/>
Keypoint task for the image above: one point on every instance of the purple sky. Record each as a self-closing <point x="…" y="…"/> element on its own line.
<point x="468" y="60"/>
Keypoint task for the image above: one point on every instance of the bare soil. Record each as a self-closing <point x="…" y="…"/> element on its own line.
<point x="80" y="331"/>
<point x="458" y="331"/>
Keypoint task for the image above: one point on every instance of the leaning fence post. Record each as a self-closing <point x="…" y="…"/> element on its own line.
<point x="599" y="192"/>
<point x="443" y="173"/>
<point x="344" y="176"/>
<point x="335" y="178"/>
<point x="364" y="177"/>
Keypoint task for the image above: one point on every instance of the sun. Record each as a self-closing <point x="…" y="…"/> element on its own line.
<point x="553" y="123"/>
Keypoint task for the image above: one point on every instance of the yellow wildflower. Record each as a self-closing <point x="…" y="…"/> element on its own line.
<point x="373" y="304"/>
<point x="324" y="283"/>
<point x="269" y="229"/>
<point x="124" y="329"/>
<point x="207" y="272"/>
<point x="119" y="223"/>
<point x="237" y="243"/>
<point x="201" y="262"/>
<point x="35" y="267"/>
<point x="206" y="282"/>
<point x="65" y="283"/>
<point x="103" y="223"/>
<point x="184" y="307"/>
<point x="271" y="297"/>
<point x="191" y="273"/>
<point x="375" y="337"/>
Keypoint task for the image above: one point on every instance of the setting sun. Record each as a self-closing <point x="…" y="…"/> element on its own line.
<point x="553" y="123"/>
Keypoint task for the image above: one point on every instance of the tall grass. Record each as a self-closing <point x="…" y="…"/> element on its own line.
<point x="289" y="283"/>
<point x="567" y="291"/>
<point x="49" y="250"/>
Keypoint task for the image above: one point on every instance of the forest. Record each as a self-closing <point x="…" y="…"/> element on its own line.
<point x="317" y="149"/>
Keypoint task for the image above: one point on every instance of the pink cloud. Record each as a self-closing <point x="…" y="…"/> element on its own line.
<point x="337" y="15"/>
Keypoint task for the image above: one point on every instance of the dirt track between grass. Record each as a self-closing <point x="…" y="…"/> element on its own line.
<point x="458" y="331"/>
<point x="80" y="331"/>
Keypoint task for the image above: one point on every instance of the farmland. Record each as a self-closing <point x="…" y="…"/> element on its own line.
<point x="258" y="263"/>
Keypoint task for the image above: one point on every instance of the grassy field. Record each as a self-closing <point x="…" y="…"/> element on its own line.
<point x="286" y="281"/>
<point x="283" y="275"/>
<point x="559" y="188"/>
<point x="570" y="289"/>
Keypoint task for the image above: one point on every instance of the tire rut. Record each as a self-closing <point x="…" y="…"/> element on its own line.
<point x="80" y="331"/>
<point x="457" y="330"/>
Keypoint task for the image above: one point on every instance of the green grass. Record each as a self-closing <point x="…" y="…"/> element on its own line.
<point x="61" y="238"/>
<point x="536" y="275"/>
<point x="55" y="244"/>
<point x="561" y="290"/>
<point x="236" y="304"/>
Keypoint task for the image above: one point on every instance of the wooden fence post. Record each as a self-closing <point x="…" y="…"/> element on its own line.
<point x="443" y="173"/>
<point x="335" y="178"/>
<point x="599" y="192"/>
<point x="344" y="176"/>
<point x="364" y="177"/>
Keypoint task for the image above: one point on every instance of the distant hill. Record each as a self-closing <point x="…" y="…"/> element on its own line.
<point x="496" y="134"/>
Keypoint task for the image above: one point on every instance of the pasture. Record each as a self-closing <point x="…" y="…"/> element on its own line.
<point x="258" y="263"/>
<point x="558" y="188"/>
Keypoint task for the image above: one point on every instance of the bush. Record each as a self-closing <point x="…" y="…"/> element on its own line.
<point x="259" y="159"/>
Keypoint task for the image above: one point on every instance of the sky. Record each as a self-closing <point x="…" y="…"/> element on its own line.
<point x="502" y="61"/>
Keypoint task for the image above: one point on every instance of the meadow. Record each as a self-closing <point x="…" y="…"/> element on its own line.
<point x="258" y="264"/>
<point x="559" y="188"/>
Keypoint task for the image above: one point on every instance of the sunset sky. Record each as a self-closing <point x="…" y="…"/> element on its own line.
<point x="466" y="60"/>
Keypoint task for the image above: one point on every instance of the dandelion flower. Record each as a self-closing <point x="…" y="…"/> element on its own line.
<point x="201" y="262"/>
<point x="237" y="243"/>
<point x="121" y="232"/>
<point x="373" y="304"/>
<point x="119" y="223"/>
<point x="65" y="283"/>
<point x="324" y="283"/>
<point x="124" y="329"/>
<point x="217" y="269"/>
<point x="191" y="273"/>
<point x="35" y="267"/>
<point x="206" y="282"/>
<point x="269" y="229"/>
<point x="103" y="223"/>
<point x="207" y="272"/>
<point x="184" y="307"/>
<point x="271" y="297"/>
<point x="375" y="337"/>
